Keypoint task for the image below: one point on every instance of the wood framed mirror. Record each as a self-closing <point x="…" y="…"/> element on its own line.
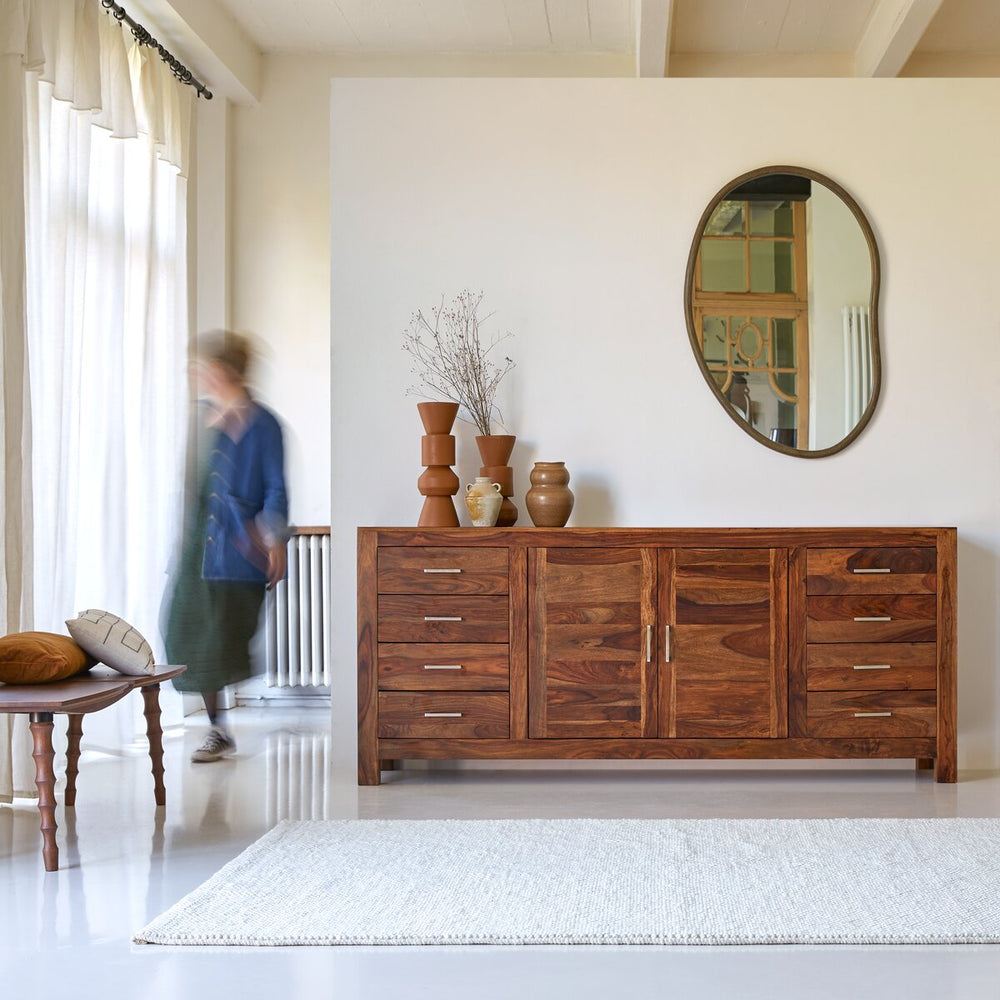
<point x="781" y="302"/>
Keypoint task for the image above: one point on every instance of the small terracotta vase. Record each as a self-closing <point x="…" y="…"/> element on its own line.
<point x="495" y="451"/>
<point x="550" y="500"/>
<point x="438" y="482"/>
<point x="483" y="500"/>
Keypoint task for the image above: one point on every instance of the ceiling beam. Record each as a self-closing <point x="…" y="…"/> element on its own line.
<point x="892" y="33"/>
<point x="653" y="23"/>
<point x="203" y="35"/>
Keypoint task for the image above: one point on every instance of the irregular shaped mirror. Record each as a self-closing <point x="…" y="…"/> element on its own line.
<point x="782" y="309"/>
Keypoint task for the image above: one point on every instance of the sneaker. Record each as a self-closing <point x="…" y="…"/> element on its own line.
<point x="218" y="743"/>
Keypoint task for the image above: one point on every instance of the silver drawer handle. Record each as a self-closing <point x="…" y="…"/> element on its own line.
<point x="877" y="618"/>
<point x="440" y="618"/>
<point x="442" y="666"/>
<point x="873" y="666"/>
<point x="442" y="715"/>
<point x="871" y="570"/>
<point x="442" y="571"/>
<point x="872" y="715"/>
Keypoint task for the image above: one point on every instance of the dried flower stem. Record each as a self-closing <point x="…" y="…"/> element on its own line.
<point x="450" y="359"/>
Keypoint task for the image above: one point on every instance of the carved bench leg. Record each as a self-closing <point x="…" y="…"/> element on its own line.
<point x="73" y="733"/>
<point x="151" y="709"/>
<point x="40" y="725"/>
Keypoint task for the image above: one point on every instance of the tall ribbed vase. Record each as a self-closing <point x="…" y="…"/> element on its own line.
<point x="495" y="451"/>
<point x="438" y="482"/>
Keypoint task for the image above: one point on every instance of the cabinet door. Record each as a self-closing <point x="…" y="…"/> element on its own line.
<point x="725" y="673"/>
<point x="592" y="659"/>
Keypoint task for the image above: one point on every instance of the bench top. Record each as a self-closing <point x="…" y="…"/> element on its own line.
<point x="90" y="692"/>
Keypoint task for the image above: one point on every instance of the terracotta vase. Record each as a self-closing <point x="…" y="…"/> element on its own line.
<point x="483" y="500"/>
<point x="438" y="482"/>
<point x="495" y="451"/>
<point x="550" y="500"/>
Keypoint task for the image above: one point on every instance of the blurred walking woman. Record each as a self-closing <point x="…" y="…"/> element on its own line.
<point x="235" y="529"/>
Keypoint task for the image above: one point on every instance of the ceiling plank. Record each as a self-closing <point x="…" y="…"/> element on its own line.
<point x="569" y="22"/>
<point x="653" y="24"/>
<point x="893" y="32"/>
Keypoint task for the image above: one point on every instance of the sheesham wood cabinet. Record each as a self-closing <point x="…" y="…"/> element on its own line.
<point x="698" y="643"/>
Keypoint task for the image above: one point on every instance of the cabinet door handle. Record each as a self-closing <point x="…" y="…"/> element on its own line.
<point x="876" y="618"/>
<point x="447" y="666"/>
<point x="666" y="643"/>
<point x="649" y="643"/>
<point x="873" y="666"/>
<point x="442" y="571"/>
<point x="883" y="570"/>
<point x="442" y="715"/>
<point x="440" y="618"/>
<point x="872" y="715"/>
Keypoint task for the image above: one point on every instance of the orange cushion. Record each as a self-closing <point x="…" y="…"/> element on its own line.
<point x="37" y="657"/>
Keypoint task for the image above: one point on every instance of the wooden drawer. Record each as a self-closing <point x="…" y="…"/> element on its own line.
<point x="870" y="618"/>
<point x="871" y="666"/>
<point x="871" y="713"/>
<point x="412" y="618"/>
<point x="871" y="571"/>
<point x="427" y="570"/>
<point x="443" y="714"/>
<point x="430" y="666"/>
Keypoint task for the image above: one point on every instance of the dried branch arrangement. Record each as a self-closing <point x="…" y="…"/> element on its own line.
<point x="450" y="360"/>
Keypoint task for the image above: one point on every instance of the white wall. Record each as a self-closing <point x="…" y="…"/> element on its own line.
<point x="573" y="203"/>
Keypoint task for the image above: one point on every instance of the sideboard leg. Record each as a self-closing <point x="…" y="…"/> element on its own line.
<point x="151" y="709"/>
<point x="369" y="769"/>
<point x="946" y="768"/>
<point x="73" y="733"/>
<point x="925" y="763"/>
<point x="40" y="725"/>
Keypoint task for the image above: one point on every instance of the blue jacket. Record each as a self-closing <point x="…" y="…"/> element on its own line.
<point x="247" y="500"/>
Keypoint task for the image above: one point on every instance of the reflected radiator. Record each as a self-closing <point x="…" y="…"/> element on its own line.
<point x="297" y="615"/>
<point x="857" y="364"/>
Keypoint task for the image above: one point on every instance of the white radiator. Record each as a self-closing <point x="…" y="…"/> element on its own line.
<point x="297" y="616"/>
<point x="857" y="364"/>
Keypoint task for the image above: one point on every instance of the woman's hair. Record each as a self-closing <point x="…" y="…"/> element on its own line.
<point x="223" y="347"/>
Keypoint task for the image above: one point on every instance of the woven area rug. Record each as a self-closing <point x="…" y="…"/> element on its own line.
<point x="589" y="881"/>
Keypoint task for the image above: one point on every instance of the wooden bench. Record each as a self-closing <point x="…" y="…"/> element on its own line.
<point x="75" y="697"/>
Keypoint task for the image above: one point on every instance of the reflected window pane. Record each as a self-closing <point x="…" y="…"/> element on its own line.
<point x="771" y="218"/>
<point x="783" y="337"/>
<point x="723" y="266"/>
<point x="727" y="220"/>
<point x="713" y="338"/>
<point x="786" y="381"/>
<point x="771" y="266"/>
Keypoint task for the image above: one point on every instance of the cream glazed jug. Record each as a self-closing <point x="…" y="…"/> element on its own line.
<point x="483" y="500"/>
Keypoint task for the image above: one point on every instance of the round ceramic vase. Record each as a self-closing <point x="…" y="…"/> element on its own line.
<point x="483" y="499"/>
<point x="550" y="500"/>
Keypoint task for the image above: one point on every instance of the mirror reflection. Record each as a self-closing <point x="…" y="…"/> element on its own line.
<point x="782" y="309"/>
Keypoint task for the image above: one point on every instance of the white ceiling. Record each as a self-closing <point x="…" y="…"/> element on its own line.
<point x="436" y="25"/>
<point x="507" y="26"/>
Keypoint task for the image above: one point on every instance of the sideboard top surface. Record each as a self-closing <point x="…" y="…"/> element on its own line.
<point x="670" y="536"/>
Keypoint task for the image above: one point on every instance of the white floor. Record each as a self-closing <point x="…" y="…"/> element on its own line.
<point x="122" y="861"/>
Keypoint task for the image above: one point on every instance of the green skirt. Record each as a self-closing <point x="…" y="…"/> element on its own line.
<point x="210" y="623"/>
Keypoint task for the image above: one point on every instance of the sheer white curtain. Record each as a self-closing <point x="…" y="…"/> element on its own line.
<point x="104" y="194"/>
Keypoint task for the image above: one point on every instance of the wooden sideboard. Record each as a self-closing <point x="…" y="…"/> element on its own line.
<point x="682" y="643"/>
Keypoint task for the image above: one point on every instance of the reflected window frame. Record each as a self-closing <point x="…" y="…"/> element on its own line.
<point x="694" y="315"/>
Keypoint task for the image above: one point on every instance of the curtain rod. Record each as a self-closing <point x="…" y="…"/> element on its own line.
<point x="143" y="37"/>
